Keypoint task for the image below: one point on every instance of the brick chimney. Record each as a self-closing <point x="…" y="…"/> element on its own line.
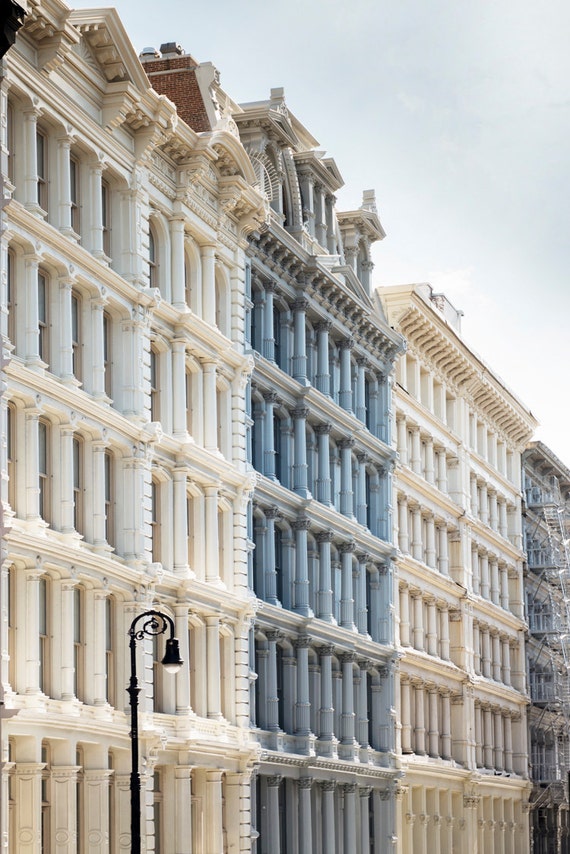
<point x="173" y="73"/>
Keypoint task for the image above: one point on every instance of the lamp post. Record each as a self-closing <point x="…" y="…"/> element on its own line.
<point x="154" y="623"/>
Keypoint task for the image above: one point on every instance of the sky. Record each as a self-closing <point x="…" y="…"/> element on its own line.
<point x="458" y="115"/>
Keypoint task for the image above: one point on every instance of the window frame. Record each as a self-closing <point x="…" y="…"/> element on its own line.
<point x="44" y="470"/>
<point x="43" y="317"/>
<point x="75" y="192"/>
<point x="78" y="484"/>
<point x="76" y="335"/>
<point x="42" y="173"/>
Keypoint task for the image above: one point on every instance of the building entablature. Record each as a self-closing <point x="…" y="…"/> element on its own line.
<point x="417" y="666"/>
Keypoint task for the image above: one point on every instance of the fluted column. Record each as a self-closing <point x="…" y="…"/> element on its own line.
<point x="443" y="561"/>
<point x="405" y="615"/>
<point x="323" y="452"/>
<point x="347" y="601"/>
<point x="99" y="537"/>
<point x="303" y="705"/>
<point x="485" y="652"/>
<point x="420" y="731"/>
<point x="301" y="526"/>
<point x="346" y="494"/>
<point x="183" y="676"/>
<point x="347" y="717"/>
<point x="325" y="603"/>
<point x="417" y="546"/>
<point x="403" y="534"/>
<point x="328" y="816"/>
<point x="361" y="390"/>
<point x="268" y="331"/>
<point x="478" y="734"/>
<point x="430" y="542"/>
<point x="300" y="468"/>
<point x="272" y="698"/>
<point x="418" y="619"/>
<point x="494" y="573"/>
<point x="66" y="480"/>
<point x="361" y="609"/>
<point x="326" y="729"/>
<point x="208" y="257"/>
<point x="433" y="735"/>
<point x="269" y="469"/>
<point x="349" y="834"/>
<point x="273" y="827"/>
<point x="445" y="725"/>
<point x="300" y="307"/>
<point x="503" y="526"/>
<point x="496" y="656"/>
<point x="345" y="391"/>
<point x="323" y="368"/>
<point x="30" y="160"/>
<point x="305" y="823"/>
<point x="493" y="516"/>
<point x="405" y="691"/>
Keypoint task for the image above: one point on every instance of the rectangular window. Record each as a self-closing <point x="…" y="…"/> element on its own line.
<point x="10" y="141"/>
<point x="44" y="466"/>
<point x="155" y="521"/>
<point x="74" y="194"/>
<point x="78" y="644"/>
<point x="109" y="499"/>
<point x="78" y="485"/>
<point x="10" y="453"/>
<point x="154" y="393"/>
<point x="109" y="645"/>
<point x="41" y="169"/>
<point x="11" y="608"/>
<point x="107" y="353"/>
<point x="43" y="318"/>
<point x="43" y="629"/>
<point x="76" y="336"/>
<point x="10" y="296"/>
<point x="106" y="218"/>
<point x="152" y="265"/>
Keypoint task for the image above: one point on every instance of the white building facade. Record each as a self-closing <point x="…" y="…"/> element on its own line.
<point x="125" y="485"/>
<point x="462" y="688"/>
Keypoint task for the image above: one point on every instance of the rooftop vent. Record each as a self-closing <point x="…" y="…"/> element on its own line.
<point x="148" y="54"/>
<point x="169" y="49"/>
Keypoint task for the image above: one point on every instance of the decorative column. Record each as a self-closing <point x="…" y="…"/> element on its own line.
<point x="27" y="830"/>
<point x="213" y="823"/>
<point x="326" y="730"/>
<point x="98" y="690"/>
<point x="431" y="627"/>
<point x="269" y="468"/>
<point x="498" y="746"/>
<point x="303" y="704"/>
<point x="405" y="689"/>
<point x="181" y="612"/>
<point x="301" y="526"/>
<point x="323" y="378"/>
<point x="504" y="586"/>
<point x="179" y="423"/>
<point x="444" y="631"/>
<point x="273" y="824"/>
<point x="496" y="655"/>
<point x="445" y="725"/>
<point x="213" y="675"/>
<point x="349" y="835"/>
<point x="402" y="439"/>
<point x="64" y="185"/>
<point x="474" y="495"/>
<point x="346" y="494"/>
<point x="345" y="391"/>
<point x="508" y="743"/>
<point x="494" y="572"/>
<point x="417" y="547"/>
<point x="300" y="468"/>
<point x="208" y="257"/>
<point x="362" y="723"/>
<point x="328" y="816"/>
<point x="268" y="331"/>
<point x="361" y="609"/>
<point x="300" y="307"/>
<point x="485" y="651"/>
<point x="484" y="565"/>
<point x="404" y="615"/>
<point x="443" y="560"/>
<point x="31" y="160"/>
<point x="95" y="812"/>
<point x="433" y="735"/>
<point x="430" y="556"/>
<point x="416" y="451"/>
<point x="272" y="698"/>
<point x="324" y="474"/>
<point x="347" y="715"/>
<point x="98" y="348"/>
<point x="210" y="406"/>
<point x="182" y="814"/>
<point x="483" y="504"/>
<point x="506" y="660"/>
<point x="180" y="521"/>
<point x="347" y="601"/>
<point x="211" y="534"/>
<point x="429" y="468"/>
<point x="32" y="329"/>
<point x="305" y="823"/>
<point x="441" y="478"/>
<point x="418" y="629"/>
<point x="270" y="573"/>
<point x="475" y="570"/>
<point x="325" y="603"/>
<point x="63" y="808"/>
<point x="403" y="535"/>
<point x="67" y="668"/>
<point x="364" y="818"/>
<point x="66" y="481"/>
<point x="361" y="390"/>
<point x="178" y="265"/>
<point x="487" y="738"/>
<point x="420" y="731"/>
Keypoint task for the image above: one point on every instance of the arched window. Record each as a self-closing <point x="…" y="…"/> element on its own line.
<point x="152" y="258"/>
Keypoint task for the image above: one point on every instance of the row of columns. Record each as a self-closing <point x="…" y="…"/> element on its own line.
<point x="492" y="653"/>
<point x="425" y="718"/>
<point x="343" y="715"/>
<point x="426" y="538"/>
<point x="344" y="806"/>
<point x="432" y="464"/>
<point x="493" y="737"/>
<point x="490" y="578"/>
<point x="424" y="622"/>
<point x="488" y="506"/>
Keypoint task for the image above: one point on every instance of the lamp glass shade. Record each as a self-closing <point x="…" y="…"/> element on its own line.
<point x="172" y="661"/>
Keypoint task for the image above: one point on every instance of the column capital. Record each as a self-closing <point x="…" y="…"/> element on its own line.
<point x="305" y="782"/>
<point x="270" y="397"/>
<point x="326" y="650"/>
<point x="323" y="326"/>
<point x="347" y="547"/>
<point x="300" y="304"/>
<point x="324" y="536"/>
<point x="300" y="412"/>
<point x="348" y="788"/>
<point x="323" y="429"/>
<point x="346" y="344"/>
<point x="272" y="512"/>
<point x="328" y="785"/>
<point x="302" y="642"/>
<point x="302" y="524"/>
<point x="275" y="780"/>
<point x="349" y="442"/>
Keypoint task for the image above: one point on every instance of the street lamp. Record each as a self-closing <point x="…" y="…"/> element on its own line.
<point x="154" y="623"/>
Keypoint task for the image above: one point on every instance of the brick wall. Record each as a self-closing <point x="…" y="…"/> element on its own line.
<point x="176" y="78"/>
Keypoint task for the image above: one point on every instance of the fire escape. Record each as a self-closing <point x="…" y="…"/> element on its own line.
<point x="548" y="607"/>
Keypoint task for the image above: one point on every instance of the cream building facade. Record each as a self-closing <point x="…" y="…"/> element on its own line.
<point x="125" y="484"/>
<point x="462" y="688"/>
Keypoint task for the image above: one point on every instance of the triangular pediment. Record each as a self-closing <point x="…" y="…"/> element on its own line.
<point x="109" y="47"/>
